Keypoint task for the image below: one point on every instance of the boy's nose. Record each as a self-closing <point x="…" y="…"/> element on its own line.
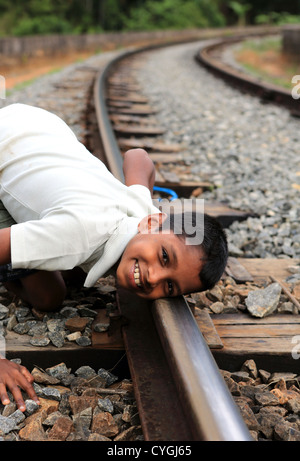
<point x="154" y="277"/>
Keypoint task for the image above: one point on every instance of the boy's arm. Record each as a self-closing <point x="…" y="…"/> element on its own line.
<point x="5" y="257"/>
<point x="12" y="376"/>
<point x="138" y="168"/>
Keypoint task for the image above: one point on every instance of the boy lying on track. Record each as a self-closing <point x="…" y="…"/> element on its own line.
<point x="63" y="209"/>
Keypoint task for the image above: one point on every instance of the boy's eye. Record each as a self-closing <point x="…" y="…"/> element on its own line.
<point x="170" y="288"/>
<point x="165" y="256"/>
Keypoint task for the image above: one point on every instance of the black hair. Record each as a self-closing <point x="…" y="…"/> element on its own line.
<point x="213" y="242"/>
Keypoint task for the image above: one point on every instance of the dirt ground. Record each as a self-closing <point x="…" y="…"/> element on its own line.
<point x="270" y="64"/>
<point x="16" y="73"/>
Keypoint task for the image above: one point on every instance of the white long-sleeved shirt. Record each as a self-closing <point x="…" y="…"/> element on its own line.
<point x="69" y="209"/>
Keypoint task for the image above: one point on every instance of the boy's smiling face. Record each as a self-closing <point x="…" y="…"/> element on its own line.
<point x="158" y="265"/>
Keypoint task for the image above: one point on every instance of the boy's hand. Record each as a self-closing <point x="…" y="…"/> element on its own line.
<point x="138" y="168"/>
<point x="14" y="377"/>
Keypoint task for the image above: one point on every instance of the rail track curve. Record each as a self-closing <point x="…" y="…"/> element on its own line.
<point x="210" y="56"/>
<point x="195" y="372"/>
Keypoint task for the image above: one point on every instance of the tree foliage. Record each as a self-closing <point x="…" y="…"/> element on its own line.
<point x="27" y="17"/>
<point x="178" y="14"/>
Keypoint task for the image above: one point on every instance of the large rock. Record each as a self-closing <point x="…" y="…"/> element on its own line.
<point x="61" y="429"/>
<point x="104" y="424"/>
<point x="33" y="430"/>
<point x="263" y="302"/>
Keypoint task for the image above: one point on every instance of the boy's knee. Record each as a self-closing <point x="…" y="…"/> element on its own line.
<point x="49" y="300"/>
<point x="45" y="290"/>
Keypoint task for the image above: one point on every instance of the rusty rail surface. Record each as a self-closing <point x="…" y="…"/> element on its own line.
<point x="202" y="395"/>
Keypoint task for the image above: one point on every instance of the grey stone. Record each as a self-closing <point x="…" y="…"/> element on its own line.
<point x="21" y="328"/>
<point x="22" y="312"/>
<point x="263" y="302"/>
<point x="31" y="406"/>
<point x="85" y="372"/>
<point x="293" y="405"/>
<point x="12" y="322"/>
<point x="7" y="424"/>
<point x="54" y="325"/>
<point x="52" y="418"/>
<point x="101" y="327"/>
<point x="9" y="409"/>
<point x="3" y="311"/>
<point x="82" y="421"/>
<point x="240" y="376"/>
<point x="266" y="398"/>
<point x="57" y="338"/>
<point x="2" y="330"/>
<point x="38" y="329"/>
<point x="39" y="340"/>
<point x="286" y="431"/>
<point x="38" y="389"/>
<point x="286" y="375"/>
<point x="86" y="311"/>
<point x="52" y="393"/>
<point x="106" y="405"/>
<point x="109" y="377"/>
<point x="83" y="341"/>
<point x="18" y="416"/>
<point x="250" y="366"/>
<point x="58" y="371"/>
<point x="69" y="311"/>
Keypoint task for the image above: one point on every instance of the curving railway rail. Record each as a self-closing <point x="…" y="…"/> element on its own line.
<point x="211" y="57"/>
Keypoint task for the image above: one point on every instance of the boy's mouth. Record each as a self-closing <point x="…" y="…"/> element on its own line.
<point x="137" y="275"/>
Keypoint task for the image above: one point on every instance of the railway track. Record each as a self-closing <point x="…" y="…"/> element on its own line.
<point x="212" y="57"/>
<point x="173" y="370"/>
<point x="133" y="125"/>
<point x="195" y="372"/>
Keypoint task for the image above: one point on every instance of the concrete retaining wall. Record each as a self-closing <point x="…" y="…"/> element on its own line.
<point x="291" y="40"/>
<point x="50" y="45"/>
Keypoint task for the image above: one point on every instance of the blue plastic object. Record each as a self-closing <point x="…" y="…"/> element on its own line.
<point x="166" y="191"/>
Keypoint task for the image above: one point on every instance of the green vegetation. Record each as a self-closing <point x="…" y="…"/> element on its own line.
<point x="29" y="17"/>
<point x="176" y="14"/>
<point x="241" y="10"/>
<point x="277" y="18"/>
<point x="262" y="45"/>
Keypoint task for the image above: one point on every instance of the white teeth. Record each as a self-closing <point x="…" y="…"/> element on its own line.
<point x="137" y="275"/>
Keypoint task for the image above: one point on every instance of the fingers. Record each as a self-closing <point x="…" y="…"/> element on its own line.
<point x="14" y="378"/>
<point x="27" y="385"/>
<point x="16" y="392"/>
<point x="3" y="395"/>
<point x="23" y="381"/>
<point x="26" y="374"/>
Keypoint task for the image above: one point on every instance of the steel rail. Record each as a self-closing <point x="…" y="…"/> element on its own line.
<point x="212" y="411"/>
<point x="206" y="398"/>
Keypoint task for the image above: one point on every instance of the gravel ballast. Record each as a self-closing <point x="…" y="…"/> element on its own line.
<point x="248" y="149"/>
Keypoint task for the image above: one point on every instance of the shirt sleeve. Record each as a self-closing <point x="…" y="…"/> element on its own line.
<point x="140" y="190"/>
<point x="56" y="242"/>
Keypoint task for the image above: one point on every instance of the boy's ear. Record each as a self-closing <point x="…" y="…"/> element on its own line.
<point x="149" y="224"/>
